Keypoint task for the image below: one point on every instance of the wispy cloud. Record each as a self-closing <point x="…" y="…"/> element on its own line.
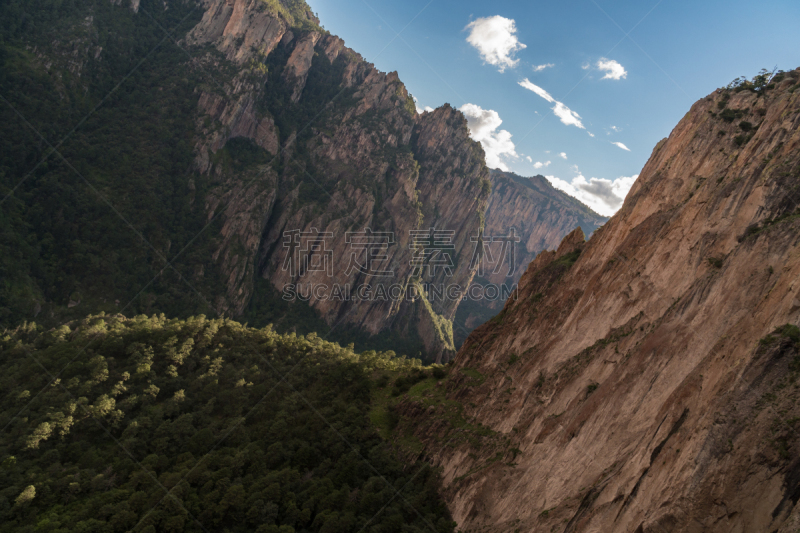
<point x="497" y="144"/>
<point x="539" y="68"/>
<point x="620" y="145"/>
<point x="539" y="164"/>
<point x="565" y="114"/>
<point x="563" y="155"/>
<point x="538" y="90"/>
<point x="495" y="39"/>
<point x="613" y="70"/>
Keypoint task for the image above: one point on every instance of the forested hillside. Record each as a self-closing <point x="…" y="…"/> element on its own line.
<point x="150" y="424"/>
<point x="95" y="224"/>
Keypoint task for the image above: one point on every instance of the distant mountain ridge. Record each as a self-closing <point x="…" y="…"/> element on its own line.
<point x="540" y="216"/>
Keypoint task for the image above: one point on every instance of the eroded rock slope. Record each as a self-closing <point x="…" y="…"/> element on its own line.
<point x="646" y="380"/>
<point x="347" y="152"/>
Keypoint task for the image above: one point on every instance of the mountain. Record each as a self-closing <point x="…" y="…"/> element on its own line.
<point x="539" y="215"/>
<point x="647" y="380"/>
<point x="166" y="157"/>
<point x="225" y="159"/>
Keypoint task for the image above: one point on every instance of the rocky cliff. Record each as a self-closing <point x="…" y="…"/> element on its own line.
<point x="344" y="152"/>
<point x="539" y="216"/>
<point x="646" y="380"/>
<point x="254" y="144"/>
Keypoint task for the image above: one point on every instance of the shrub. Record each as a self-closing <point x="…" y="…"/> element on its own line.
<point x="716" y="262"/>
<point x="403" y="383"/>
<point x="392" y="417"/>
<point x="752" y="229"/>
<point x="746" y="126"/>
<point x="729" y="115"/>
<point x="789" y="330"/>
<point x="26" y="495"/>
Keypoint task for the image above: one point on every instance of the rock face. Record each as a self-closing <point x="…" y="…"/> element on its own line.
<point x="348" y="153"/>
<point x="539" y="216"/>
<point x="644" y="381"/>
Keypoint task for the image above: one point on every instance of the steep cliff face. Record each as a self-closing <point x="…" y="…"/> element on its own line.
<point x="645" y="380"/>
<point x="253" y="142"/>
<point x="346" y="152"/>
<point x="539" y="216"/>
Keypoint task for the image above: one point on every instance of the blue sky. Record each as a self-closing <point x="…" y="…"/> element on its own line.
<point x="482" y="57"/>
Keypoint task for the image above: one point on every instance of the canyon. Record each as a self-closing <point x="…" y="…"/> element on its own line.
<point x="296" y="150"/>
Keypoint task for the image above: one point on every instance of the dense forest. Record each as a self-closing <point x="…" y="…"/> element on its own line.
<point x="98" y="198"/>
<point x="155" y="424"/>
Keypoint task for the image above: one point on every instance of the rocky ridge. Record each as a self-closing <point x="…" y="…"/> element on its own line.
<point x="365" y="159"/>
<point x="540" y="216"/>
<point x="646" y="380"/>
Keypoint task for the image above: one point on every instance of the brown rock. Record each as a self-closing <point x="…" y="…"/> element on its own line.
<point x="367" y="162"/>
<point x="643" y="399"/>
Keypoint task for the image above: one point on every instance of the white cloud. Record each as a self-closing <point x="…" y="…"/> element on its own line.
<point x="529" y="159"/>
<point x="620" y="145"/>
<point x="613" y="70"/>
<point x="590" y="134"/>
<point x="568" y="116"/>
<point x="615" y="129"/>
<point x="565" y="114"/>
<point x="602" y="195"/>
<point x="494" y="38"/>
<point x="539" y="68"/>
<point x="585" y="66"/>
<point x="563" y="155"/>
<point x="497" y="144"/>
<point x="538" y="90"/>
<point x="539" y="164"/>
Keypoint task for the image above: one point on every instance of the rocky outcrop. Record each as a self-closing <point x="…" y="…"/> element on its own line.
<point x="348" y="153"/>
<point x="296" y="71"/>
<point x="538" y="216"/>
<point x="644" y="381"/>
<point x="240" y="29"/>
